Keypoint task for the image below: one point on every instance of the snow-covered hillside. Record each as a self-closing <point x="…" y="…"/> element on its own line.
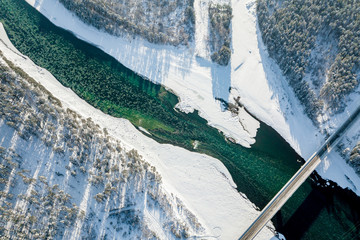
<point x="62" y="176"/>
<point x="195" y="80"/>
<point x="161" y="21"/>
<point x="252" y="75"/>
<point x="55" y="152"/>
<point x="265" y="92"/>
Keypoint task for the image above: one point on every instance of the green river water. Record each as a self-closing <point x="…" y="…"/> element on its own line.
<point x="314" y="212"/>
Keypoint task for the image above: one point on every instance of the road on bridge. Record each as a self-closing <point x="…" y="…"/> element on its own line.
<point x="295" y="182"/>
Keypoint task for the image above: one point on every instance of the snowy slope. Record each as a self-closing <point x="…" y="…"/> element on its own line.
<point x="202" y="29"/>
<point x="253" y="76"/>
<point x="331" y="163"/>
<point x="63" y="177"/>
<point x="265" y="93"/>
<point x="202" y="183"/>
<point x="263" y="89"/>
<point x="196" y="80"/>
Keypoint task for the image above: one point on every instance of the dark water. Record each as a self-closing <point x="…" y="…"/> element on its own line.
<point x="314" y="212"/>
<point x="319" y="209"/>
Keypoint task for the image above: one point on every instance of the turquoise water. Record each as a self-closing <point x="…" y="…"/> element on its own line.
<point x="314" y="212"/>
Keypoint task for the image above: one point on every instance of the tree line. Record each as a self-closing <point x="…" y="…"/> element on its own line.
<point x="316" y="44"/>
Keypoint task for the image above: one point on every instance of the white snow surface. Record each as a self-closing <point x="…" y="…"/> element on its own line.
<point x="201" y="182"/>
<point x="265" y="93"/>
<point x="331" y="162"/>
<point x="263" y="89"/>
<point x="202" y="28"/>
<point x="252" y="75"/>
<point x="195" y="80"/>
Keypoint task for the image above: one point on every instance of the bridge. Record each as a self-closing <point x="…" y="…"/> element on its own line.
<point x="295" y="182"/>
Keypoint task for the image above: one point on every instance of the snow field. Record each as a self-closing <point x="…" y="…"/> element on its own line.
<point x="201" y="182"/>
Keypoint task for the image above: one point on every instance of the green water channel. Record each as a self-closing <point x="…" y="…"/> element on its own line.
<point x="312" y="213"/>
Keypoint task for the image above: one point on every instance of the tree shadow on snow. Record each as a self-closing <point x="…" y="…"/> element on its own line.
<point x="220" y="79"/>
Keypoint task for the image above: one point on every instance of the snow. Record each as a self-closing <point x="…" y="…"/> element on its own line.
<point x="195" y="80"/>
<point x="331" y="165"/>
<point x="201" y="182"/>
<point x="188" y="72"/>
<point x="202" y="28"/>
<point x="263" y="90"/>
<point x="265" y="93"/>
<point x="252" y="75"/>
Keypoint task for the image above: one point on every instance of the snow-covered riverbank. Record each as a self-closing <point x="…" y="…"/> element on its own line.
<point x="265" y="93"/>
<point x="252" y="75"/>
<point x="202" y="183"/>
<point x="195" y="80"/>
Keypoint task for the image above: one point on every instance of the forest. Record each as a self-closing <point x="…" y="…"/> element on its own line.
<point x="160" y="21"/>
<point x="109" y="86"/>
<point x="354" y="159"/>
<point x="42" y="205"/>
<point x="83" y="67"/>
<point x="220" y="32"/>
<point x="316" y="44"/>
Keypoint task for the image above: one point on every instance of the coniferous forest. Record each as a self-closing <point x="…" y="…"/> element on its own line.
<point x="316" y="44"/>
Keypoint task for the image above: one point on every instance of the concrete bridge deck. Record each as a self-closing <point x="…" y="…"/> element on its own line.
<point x="295" y="182"/>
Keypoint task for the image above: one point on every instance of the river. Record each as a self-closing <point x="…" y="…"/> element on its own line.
<point x="316" y="211"/>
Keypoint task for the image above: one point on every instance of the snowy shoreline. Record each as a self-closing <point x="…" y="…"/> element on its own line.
<point x="252" y="75"/>
<point x="266" y="94"/>
<point x="195" y="80"/>
<point x="201" y="182"/>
